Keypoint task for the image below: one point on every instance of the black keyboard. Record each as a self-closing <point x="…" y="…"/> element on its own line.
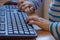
<point x="13" y="23"/>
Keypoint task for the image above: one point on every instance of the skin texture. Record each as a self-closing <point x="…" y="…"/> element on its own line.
<point x="34" y="19"/>
<point x="41" y="22"/>
<point x="26" y="6"/>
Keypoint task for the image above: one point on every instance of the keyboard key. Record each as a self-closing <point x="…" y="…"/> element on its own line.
<point x="20" y="29"/>
<point x="2" y="19"/>
<point x="15" y="29"/>
<point x="2" y="26"/>
<point x="10" y="29"/>
<point x="24" y="26"/>
<point x="9" y="26"/>
<point x="10" y="32"/>
<point x="2" y="32"/>
<point x="26" y="32"/>
<point x="16" y="7"/>
<point x="7" y="7"/>
<point x="10" y="7"/>
<point x="2" y="13"/>
<point x="32" y="32"/>
<point x="15" y="32"/>
<point x="13" y="7"/>
<point x="21" y="32"/>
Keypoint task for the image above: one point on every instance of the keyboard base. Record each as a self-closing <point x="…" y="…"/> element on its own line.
<point x="17" y="38"/>
<point x="10" y="3"/>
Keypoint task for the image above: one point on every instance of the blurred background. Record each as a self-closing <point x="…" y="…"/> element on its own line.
<point x="42" y="11"/>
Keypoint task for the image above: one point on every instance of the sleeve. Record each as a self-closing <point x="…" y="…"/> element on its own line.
<point x="55" y="29"/>
<point x="36" y="3"/>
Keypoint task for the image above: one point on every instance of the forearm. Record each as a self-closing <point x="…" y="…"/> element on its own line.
<point x="55" y="29"/>
<point x="36" y="3"/>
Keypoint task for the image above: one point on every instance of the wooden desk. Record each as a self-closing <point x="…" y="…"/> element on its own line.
<point x="43" y="35"/>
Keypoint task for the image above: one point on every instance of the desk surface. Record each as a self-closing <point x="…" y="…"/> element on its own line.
<point x="42" y="35"/>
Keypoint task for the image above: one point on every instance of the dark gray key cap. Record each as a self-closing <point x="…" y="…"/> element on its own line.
<point x="31" y="29"/>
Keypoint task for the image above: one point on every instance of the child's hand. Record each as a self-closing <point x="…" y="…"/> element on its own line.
<point x="26" y="6"/>
<point x="43" y="23"/>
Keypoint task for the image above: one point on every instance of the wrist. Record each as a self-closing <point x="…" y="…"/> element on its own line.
<point x="45" y="26"/>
